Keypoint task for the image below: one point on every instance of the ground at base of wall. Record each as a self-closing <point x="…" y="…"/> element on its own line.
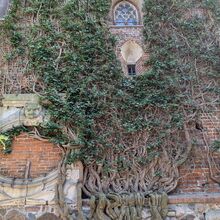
<point x="176" y="212"/>
<point x="195" y="212"/>
<point x="184" y="212"/>
<point x="29" y="213"/>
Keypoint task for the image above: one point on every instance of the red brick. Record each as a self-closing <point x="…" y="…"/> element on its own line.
<point x="25" y="149"/>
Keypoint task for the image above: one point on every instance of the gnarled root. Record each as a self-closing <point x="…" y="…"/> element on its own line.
<point x="127" y="206"/>
<point x="158" y="206"/>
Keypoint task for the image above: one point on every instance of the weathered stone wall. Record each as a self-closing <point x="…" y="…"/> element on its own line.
<point x="29" y="213"/>
<point x="198" y="206"/>
<point x="187" y="207"/>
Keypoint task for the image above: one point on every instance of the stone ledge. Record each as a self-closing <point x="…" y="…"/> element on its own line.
<point x="199" y="198"/>
<point x="202" y="198"/>
<point x="13" y="100"/>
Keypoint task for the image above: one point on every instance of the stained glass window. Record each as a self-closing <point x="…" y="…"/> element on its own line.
<point x="3" y="8"/>
<point x="125" y="14"/>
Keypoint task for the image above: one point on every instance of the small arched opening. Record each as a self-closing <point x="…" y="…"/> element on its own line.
<point x="131" y="53"/>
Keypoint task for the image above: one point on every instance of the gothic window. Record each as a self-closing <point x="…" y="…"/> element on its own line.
<point x="125" y="14"/>
<point x="3" y="8"/>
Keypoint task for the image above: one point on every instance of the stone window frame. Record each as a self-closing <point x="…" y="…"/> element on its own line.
<point x="5" y="13"/>
<point x="134" y="6"/>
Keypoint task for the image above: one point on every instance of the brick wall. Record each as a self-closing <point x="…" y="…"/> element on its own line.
<point x="43" y="156"/>
<point x="194" y="175"/>
<point x="201" y="172"/>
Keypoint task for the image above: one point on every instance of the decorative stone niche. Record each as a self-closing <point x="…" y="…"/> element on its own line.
<point x="131" y="52"/>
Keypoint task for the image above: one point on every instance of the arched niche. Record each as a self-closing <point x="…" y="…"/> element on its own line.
<point x="131" y="52"/>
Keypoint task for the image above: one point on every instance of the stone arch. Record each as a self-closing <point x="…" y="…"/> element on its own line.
<point x="137" y="3"/>
<point x="48" y="216"/>
<point x="132" y="55"/>
<point x="131" y="52"/>
<point x="4" y="5"/>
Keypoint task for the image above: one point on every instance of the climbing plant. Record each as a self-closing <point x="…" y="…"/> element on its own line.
<point x="6" y="138"/>
<point x="133" y="133"/>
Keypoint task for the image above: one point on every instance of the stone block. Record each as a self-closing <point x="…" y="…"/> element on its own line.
<point x="146" y="214"/>
<point x="12" y="100"/>
<point x="48" y="216"/>
<point x="31" y="216"/>
<point x="171" y="214"/>
<point x="213" y="215"/>
<point x="2" y="211"/>
<point x="15" y="215"/>
<point x="188" y="217"/>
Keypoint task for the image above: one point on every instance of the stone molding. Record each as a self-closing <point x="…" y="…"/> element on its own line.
<point x="13" y="100"/>
<point x="42" y="190"/>
<point x="204" y="198"/>
<point x="38" y="191"/>
<point x="18" y="110"/>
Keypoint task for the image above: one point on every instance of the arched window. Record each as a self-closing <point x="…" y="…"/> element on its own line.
<point x="125" y="14"/>
<point x="4" y="4"/>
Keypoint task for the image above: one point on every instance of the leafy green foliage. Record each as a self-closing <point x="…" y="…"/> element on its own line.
<point x="6" y="138"/>
<point x="216" y="145"/>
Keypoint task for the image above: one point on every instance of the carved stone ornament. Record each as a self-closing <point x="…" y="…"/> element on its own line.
<point x="38" y="191"/>
<point x="72" y="188"/>
<point x="18" y="110"/>
<point x="42" y="190"/>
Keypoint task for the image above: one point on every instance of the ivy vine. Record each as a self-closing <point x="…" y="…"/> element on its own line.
<point x="134" y="133"/>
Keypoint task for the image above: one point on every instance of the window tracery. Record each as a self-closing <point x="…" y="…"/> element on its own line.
<point x="125" y="14"/>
